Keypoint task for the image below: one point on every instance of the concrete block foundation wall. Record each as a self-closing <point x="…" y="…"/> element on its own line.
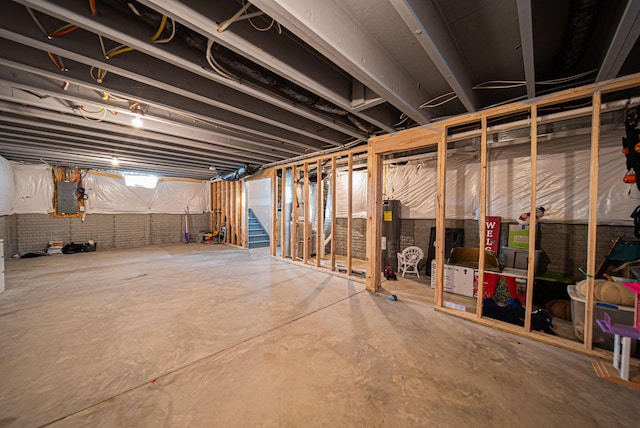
<point x="565" y="244"/>
<point x="23" y="233"/>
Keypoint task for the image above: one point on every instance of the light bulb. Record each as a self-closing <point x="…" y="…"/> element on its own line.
<point x="137" y="122"/>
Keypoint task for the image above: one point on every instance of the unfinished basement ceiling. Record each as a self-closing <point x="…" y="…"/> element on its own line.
<point x="283" y="78"/>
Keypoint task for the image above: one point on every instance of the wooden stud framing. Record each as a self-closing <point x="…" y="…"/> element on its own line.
<point x="227" y="211"/>
<point x="294" y="214"/>
<point x="533" y="221"/>
<point x="334" y="205"/>
<point x="219" y="205"/>
<point x="232" y="212"/>
<point x="319" y="216"/>
<point x="283" y="210"/>
<point x="421" y="137"/>
<point x="593" y="217"/>
<point x="349" y="213"/>
<point x="274" y="211"/>
<point x="305" y="226"/>
<point x="483" y="214"/>
<point x="374" y="219"/>
<point x="242" y="227"/>
<point x="441" y="183"/>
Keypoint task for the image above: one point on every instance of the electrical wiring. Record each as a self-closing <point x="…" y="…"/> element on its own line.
<point x="133" y="8"/>
<point x="403" y="119"/>
<point x="65" y="29"/>
<point x="38" y="24"/>
<point x="500" y="84"/>
<point x="566" y="79"/>
<point x="231" y="20"/>
<point x="93" y="8"/>
<point x="102" y="73"/>
<point x="214" y="65"/>
<point x="267" y="28"/>
<point x="82" y="111"/>
<point x="101" y="110"/>
<point x="57" y="61"/>
<point x="118" y="50"/>
<point x="430" y="104"/>
<point x="104" y="53"/>
<point x="503" y="84"/>
<point x="163" y="23"/>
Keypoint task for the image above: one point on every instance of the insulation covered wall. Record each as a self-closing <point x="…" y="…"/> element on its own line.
<point x="108" y="193"/>
<point x="33" y="188"/>
<point x="563" y="173"/>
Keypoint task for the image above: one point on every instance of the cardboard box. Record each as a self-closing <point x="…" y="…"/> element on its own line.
<point x="514" y="280"/>
<point x="457" y="279"/>
<point x="516" y="258"/>
<point x="468" y="257"/>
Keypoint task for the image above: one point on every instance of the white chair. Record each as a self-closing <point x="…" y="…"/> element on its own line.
<point x="408" y="260"/>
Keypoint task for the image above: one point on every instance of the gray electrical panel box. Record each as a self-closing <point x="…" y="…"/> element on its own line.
<point x="67" y="198"/>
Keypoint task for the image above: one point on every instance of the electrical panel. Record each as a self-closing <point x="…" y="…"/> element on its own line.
<point x="67" y="198"/>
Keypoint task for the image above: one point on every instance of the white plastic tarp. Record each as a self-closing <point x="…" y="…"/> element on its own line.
<point x="108" y="194"/>
<point x="359" y="198"/>
<point x="7" y="186"/>
<point x="33" y="188"/>
<point x="563" y="174"/>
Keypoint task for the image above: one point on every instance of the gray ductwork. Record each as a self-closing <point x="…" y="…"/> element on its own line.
<point x="240" y="173"/>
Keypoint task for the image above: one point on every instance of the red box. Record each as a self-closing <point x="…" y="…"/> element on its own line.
<point x="497" y="285"/>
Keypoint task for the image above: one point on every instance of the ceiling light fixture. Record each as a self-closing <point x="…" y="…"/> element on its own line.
<point x="136" y="121"/>
<point x="115" y="161"/>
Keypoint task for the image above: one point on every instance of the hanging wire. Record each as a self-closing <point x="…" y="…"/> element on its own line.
<point x="566" y="79"/>
<point x="435" y="102"/>
<point x="214" y="65"/>
<point x="38" y="24"/>
<point x="101" y="73"/>
<point x="82" y="111"/>
<point x="93" y="8"/>
<point x="267" y="28"/>
<point x="65" y="29"/>
<point x="57" y="61"/>
<point x="99" y="77"/>
<point x="163" y="22"/>
<point x="502" y="84"/>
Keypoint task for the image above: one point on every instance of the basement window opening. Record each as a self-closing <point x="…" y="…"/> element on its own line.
<point x="146" y="181"/>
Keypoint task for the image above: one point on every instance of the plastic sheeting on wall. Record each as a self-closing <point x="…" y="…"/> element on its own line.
<point x="563" y="174"/>
<point x="6" y="186"/>
<point x="33" y="188"/>
<point x="359" y="207"/>
<point x="108" y="194"/>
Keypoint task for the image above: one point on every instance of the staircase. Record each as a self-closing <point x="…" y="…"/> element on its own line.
<point x="258" y="237"/>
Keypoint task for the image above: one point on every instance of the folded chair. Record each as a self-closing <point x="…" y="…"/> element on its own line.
<point x="408" y="260"/>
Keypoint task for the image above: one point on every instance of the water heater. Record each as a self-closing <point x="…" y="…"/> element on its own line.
<point x="390" y="233"/>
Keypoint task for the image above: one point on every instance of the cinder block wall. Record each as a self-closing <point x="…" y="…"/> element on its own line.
<point x="8" y="232"/>
<point x="32" y="232"/>
<point x="565" y="244"/>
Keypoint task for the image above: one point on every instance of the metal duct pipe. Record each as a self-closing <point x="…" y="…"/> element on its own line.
<point x="240" y="173"/>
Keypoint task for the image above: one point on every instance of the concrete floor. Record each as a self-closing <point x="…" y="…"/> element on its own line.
<point x="206" y="335"/>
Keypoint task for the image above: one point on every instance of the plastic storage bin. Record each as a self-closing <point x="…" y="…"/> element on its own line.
<point x="618" y="314"/>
